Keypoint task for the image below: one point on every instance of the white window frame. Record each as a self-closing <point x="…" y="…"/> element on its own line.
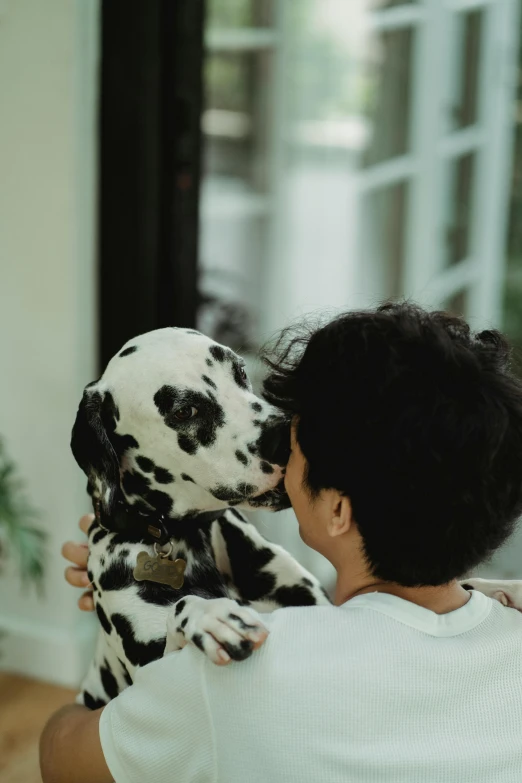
<point x="491" y="138"/>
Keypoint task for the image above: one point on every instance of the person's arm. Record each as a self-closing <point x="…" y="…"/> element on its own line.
<point x="70" y="748"/>
<point x="158" y="729"/>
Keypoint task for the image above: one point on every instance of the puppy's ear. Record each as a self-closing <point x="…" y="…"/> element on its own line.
<point x="93" y="450"/>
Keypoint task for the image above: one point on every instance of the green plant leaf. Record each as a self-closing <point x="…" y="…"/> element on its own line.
<point x="19" y="536"/>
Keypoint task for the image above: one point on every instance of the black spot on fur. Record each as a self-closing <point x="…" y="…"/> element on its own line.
<point x="240" y="376"/>
<point x="157" y="594"/>
<point x="138" y="653"/>
<point x="307" y="581"/>
<point x="146" y="464"/>
<point x="468" y="587"/>
<point x="160" y="501"/>
<point x="122" y="443"/>
<point x="201" y="429"/>
<point x="110" y="686"/>
<point x="128" y="678"/>
<point x="134" y="483"/>
<point x="252" y="447"/>
<point x="124" y="553"/>
<point x="165" y="398"/>
<point x="98" y="536"/>
<point x="104" y="620"/>
<point x="241" y="457"/>
<point x="238" y="652"/>
<point x="257" y="423"/>
<point x="90" y="575"/>
<point x="187" y="444"/>
<point x="246" y="562"/>
<point x="256" y="406"/>
<point x="266" y="467"/>
<point x="209" y="381"/>
<point x="246" y="489"/>
<point x="128" y="351"/>
<point x="237" y="514"/>
<point x="184" y="622"/>
<point x="179" y="607"/>
<point x="198" y="640"/>
<point x="109" y="412"/>
<point x="186" y="477"/>
<point x="217" y="352"/>
<point x="231" y="495"/>
<point x="294" y="595"/>
<point x="241" y="623"/>
<point x="117" y="576"/>
<point x="91" y="703"/>
<point x="208" y="361"/>
<point x="163" y="476"/>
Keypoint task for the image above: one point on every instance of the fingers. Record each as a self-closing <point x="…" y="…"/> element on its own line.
<point x="85" y="522"/>
<point x="77" y="577"/>
<point x="86" y="602"/>
<point x="76" y="553"/>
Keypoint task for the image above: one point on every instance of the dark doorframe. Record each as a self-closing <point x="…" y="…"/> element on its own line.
<point x="149" y="166"/>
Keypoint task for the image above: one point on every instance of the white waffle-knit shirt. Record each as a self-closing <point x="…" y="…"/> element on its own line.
<point x="377" y="690"/>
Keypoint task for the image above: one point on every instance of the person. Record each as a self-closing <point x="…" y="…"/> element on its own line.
<point x="405" y="472"/>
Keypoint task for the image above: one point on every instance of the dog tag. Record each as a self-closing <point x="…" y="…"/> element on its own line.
<point x="160" y="569"/>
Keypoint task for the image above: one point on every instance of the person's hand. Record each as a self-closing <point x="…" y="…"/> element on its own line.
<point x="76" y="574"/>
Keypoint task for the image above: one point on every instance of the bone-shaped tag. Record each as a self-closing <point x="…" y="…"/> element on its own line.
<point x="160" y="569"/>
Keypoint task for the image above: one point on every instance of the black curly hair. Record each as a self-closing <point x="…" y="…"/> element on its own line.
<point x="419" y="421"/>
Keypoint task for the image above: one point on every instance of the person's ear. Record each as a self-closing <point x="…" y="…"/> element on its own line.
<point x="341" y="516"/>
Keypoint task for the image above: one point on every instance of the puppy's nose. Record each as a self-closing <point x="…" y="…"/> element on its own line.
<point x="274" y="442"/>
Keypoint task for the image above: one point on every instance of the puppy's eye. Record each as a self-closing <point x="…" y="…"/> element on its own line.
<point x="243" y="374"/>
<point x="186" y="412"/>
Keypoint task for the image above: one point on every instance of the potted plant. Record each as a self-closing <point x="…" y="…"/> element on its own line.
<point x="20" y="538"/>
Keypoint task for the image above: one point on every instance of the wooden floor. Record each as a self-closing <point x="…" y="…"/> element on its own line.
<point x="25" y="706"/>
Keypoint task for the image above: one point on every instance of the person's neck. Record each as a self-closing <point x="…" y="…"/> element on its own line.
<point x="440" y="599"/>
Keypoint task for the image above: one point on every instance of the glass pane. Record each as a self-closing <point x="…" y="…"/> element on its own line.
<point x="234" y="121"/>
<point x="378" y="5"/>
<point x="234" y="198"/>
<point x="459" y="209"/>
<point x="384" y="220"/>
<point x="457" y="304"/>
<point x="386" y="95"/>
<point x="226" y="14"/>
<point x="465" y="80"/>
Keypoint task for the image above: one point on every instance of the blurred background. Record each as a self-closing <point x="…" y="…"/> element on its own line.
<point x="229" y="165"/>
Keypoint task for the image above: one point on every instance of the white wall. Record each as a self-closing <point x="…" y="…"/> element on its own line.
<point x="48" y="63"/>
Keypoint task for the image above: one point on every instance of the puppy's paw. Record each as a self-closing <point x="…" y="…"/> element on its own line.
<point x="219" y="627"/>
<point x="506" y="592"/>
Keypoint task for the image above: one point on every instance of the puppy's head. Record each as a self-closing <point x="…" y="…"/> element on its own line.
<point x="173" y="427"/>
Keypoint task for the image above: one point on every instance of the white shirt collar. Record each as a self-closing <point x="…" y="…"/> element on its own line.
<point x="451" y="624"/>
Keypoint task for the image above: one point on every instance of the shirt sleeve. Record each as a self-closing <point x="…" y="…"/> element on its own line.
<point x="160" y="729"/>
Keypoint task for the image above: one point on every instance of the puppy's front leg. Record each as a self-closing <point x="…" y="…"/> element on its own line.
<point x="507" y="592"/>
<point x="105" y="678"/>
<point x="259" y="572"/>
<point x="220" y="627"/>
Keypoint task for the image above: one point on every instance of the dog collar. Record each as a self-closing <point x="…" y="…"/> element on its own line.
<point x="153" y="528"/>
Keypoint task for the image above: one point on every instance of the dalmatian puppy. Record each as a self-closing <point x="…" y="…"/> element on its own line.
<point x="174" y="444"/>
